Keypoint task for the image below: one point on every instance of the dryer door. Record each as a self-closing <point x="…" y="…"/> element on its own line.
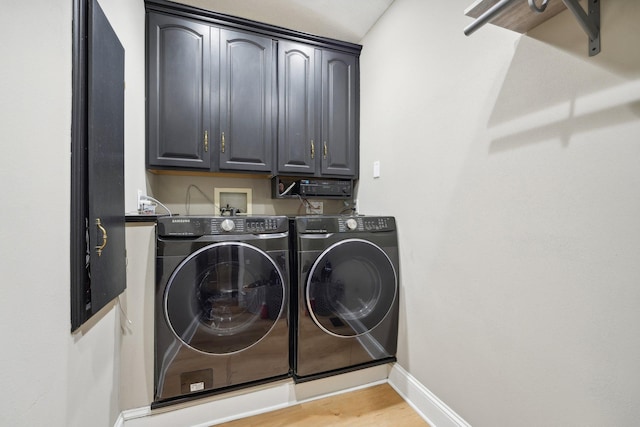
<point x="351" y="288"/>
<point x="225" y="297"/>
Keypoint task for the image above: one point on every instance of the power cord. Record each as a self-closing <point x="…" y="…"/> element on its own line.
<point x="187" y="201"/>
<point x="158" y="202"/>
<point x="306" y="203"/>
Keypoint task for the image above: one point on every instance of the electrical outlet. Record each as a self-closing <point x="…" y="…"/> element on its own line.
<point x="315" y="208"/>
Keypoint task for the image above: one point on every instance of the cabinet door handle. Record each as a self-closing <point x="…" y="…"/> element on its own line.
<point x="313" y="150"/>
<point x="206" y="141"/>
<point x="222" y="143"/>
<point x="324" y="154"/>
<point x="99" y="248"/>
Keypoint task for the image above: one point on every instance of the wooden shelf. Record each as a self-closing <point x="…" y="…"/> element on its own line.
<point x="517" y="16"/>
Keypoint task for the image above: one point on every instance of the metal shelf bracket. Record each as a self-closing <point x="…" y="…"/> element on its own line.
<point x="589" y="21"/>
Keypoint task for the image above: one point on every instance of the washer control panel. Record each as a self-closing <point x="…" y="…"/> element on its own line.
<point x="351" y="224"/>
<point x="249" y="225"/>
<point x="265" y="225"/>
<point x="177" y="226"/>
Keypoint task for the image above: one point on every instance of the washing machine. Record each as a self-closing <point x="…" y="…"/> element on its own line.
<point x="346" y="310"/>
<point x="221" y="305"/>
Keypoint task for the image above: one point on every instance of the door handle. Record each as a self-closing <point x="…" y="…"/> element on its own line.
<point x="324" y="155"/>
<point x="222" y="143"/>
<point x="313" y="150"/>
<point x="99" y="248"/>
<point x="206" y="141"/>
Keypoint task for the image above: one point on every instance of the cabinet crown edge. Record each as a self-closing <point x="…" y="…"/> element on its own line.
<point x="234" y="22"/>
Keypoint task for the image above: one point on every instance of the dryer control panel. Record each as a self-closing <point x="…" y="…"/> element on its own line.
<point x="365" y="223"/>
<point x="345" y="224"/>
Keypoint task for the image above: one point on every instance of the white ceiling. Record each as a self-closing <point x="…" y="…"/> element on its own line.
<point x="347" y="20"/>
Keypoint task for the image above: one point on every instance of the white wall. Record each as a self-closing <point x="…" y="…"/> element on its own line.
<point x="50" y="376"/>
<point x="512" y="165"/>
<point x="35" y="107"/>
<point x="136" y="341"/>
<point x="128" y="19"/>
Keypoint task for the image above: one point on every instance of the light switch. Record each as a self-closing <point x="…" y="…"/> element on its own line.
<point x="376" y="169"/>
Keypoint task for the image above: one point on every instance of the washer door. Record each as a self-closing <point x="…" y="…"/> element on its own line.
<point x="224" y="298"/>
<point x="351" y="288"/>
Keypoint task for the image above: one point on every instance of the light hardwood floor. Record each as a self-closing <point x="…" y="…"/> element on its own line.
<point x="373" y="406"/>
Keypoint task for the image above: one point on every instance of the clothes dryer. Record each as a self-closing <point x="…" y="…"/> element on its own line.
<point x="221" y="304"/>
<point x="346" y="310"/>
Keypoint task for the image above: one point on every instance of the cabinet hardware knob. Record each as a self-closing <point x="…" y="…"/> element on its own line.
<point x="99" y="248"/>
<point x="206" y="141"/>
<point x="313" y="150"/>
<point x="222" y="144"/>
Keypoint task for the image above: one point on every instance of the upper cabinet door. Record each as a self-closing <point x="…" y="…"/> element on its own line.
<point x="298" y="148"/>
<point x="339" y="114"/>
<point x="178" y="110"/>
<point x="247" y="98"/>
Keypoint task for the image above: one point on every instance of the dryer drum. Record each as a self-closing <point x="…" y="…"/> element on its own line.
<point x="348" y="290"/>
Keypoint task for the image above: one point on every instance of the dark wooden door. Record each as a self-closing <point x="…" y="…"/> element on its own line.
<point x="339" y="114"/>
<point x="179" y="92"/>
<point x="105" y="161"/>
<point x="247" y="98"/>
<point x="298" y="147"/>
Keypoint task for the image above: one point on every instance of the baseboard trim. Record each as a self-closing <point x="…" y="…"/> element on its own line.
<point x="254" y="401"/>
<point x="423" y="401"/>
<point x="132" y="414"/>
<point x="285" y="393"/>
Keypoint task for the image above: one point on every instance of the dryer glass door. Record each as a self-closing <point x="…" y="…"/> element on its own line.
<point x="351" y="288"/>
<point x="225" y="297"/>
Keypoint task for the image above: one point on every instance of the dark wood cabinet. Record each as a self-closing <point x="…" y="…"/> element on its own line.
<point x="318" y="111"/>
<point x="340" y="131"/>
<point x="231" y="95"/>
<point x="298" y="144"/>
<point x="97" y="247"/>
<point x="179" y="96"/>
<point x="210" y="97"/>
<point x="247" y="93"/>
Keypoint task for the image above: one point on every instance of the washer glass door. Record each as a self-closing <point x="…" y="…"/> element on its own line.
<point x="351" y="288"/>
<point x="225" y="297"/>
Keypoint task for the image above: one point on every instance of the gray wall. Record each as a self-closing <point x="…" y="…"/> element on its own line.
<point x="512" y="164"/>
